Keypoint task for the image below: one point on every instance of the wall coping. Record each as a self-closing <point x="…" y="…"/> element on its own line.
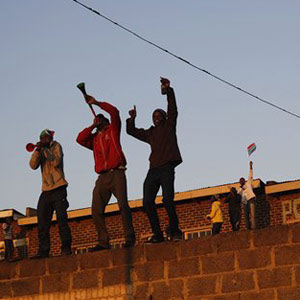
<point x="180" y="196"/>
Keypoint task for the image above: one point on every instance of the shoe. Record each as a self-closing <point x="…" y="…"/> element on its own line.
<point x="178" y="236"/>
<point x="40" y="255"/>
<point x="174" y="236"/>
<point x="99" y="248"/>
<point x="155" y="239"/>
<point x="66" y="252"/>
<point x="129" y="244"/>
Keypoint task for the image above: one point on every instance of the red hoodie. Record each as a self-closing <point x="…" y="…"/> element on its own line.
<point x="105" y="144"/>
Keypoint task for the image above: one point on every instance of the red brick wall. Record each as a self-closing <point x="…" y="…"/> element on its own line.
<point x="262" y="264"/>
<point x="191" y="215"/>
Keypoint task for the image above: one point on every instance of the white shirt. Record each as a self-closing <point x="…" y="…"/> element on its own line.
<point x="246" y="191"/>
<point x="7" y="231"/>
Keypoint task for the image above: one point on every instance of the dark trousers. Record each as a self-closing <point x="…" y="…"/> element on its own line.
<point x="249" y="211"/>
<point x="160" y="177"/>
<point x="49" y="201"/>
<point x="216" y="228"/>
<point x="235" y="220"/>
<point x="9" y="249"/>
<point x="112" y="182"/>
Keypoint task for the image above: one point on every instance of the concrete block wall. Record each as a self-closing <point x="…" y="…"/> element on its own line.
<point x="261" y="264"/>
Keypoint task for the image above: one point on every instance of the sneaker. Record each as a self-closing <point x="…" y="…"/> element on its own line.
<point x="178" y="236"/>
<point x="99" y="248"/>
<point x="174" y="236"/>
<point x="66" y="252"/>
<point x="155" y="239"/>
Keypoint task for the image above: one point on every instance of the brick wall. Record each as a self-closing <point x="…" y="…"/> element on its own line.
<point x="261" y="264"/>
<point x="191" y="213"/>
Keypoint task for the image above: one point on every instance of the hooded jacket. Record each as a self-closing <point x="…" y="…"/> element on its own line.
<point x="105" y="144"/>
<point x="216" y="212"/>
<point x="52" y="166"/>
<point x="162" y="138"/>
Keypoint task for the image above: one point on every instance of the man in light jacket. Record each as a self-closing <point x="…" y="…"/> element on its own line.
<point x="248" y="199"/>
<point x="48" y="155"/>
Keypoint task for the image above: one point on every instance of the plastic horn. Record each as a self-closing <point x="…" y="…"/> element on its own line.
<point x="30" y="147"/>
<point x="81" y="86"/>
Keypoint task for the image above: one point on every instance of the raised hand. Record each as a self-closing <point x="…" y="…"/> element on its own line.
<point x="165" y="84"/>
<point x="132" y="113"/>
<point x="90" y="100"/>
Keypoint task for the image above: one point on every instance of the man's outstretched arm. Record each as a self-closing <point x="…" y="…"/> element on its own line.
<point x="138" y="133"/>
<point x="172" y="111"/>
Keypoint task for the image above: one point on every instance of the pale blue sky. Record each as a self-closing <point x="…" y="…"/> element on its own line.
<point x="47" y="47"/>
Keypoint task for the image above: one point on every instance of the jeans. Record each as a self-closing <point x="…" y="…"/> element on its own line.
<point x="160" y="177"/>
<point x="216" y="228"/>
<point x="111" y="182"/>
<point x="9" y="249"/>
<point x="49" y="201"/>
<point x="235" y="220"/>
<point x="249" y="211"/>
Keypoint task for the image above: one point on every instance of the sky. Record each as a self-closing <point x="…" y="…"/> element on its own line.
<point x="48" y="47"/>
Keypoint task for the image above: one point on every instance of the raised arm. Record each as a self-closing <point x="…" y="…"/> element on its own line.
<point x="35" y="159"/>
<point x="250" y="177"/>
<point x="172" y="111"/>
<point x="138" y="133"/>
<point x="115" y="119"/>
<point x="85" y="137"/>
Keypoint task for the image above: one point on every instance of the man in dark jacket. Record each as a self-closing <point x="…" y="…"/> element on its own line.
<point x="110" y="164"/>
<point x="164" y="157"/>
<point x="234" y="208"/>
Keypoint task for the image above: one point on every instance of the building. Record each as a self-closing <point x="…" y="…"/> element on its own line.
<point x="277" y="204"/>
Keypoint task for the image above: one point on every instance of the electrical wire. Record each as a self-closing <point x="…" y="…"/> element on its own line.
<point x="186" y="61"/>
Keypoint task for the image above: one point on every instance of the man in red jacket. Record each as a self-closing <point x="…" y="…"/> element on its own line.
<point x="164" y="157"/>
<point x="110" y="164"/>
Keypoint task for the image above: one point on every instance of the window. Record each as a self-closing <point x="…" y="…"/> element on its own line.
<point x="196" y="233"/>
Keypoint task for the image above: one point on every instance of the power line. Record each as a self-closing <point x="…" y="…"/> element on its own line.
<point x="186" y="61"/>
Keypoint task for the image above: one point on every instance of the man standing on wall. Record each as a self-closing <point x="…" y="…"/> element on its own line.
<point x="164" y="157"/>
<point x="248" y="199"/>
<point x="110" y="164"/>
<point x="48" y="155"/>
<point x="8" y="239"/>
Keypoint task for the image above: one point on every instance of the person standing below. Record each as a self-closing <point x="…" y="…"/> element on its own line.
<point x="8" y="239"/>
<point x="248" y="199"/>
<point x="234" y="208"/>
<point x="110" y="164"/>
<point x="215" y="215"/>
<point x="48" y="155"/>
<point x="164" y="157"/>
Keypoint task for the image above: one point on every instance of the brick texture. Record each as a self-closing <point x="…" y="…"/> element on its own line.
<point x="56" y="283"/>
<point x="287" y="255"/>
<point x="222" y="262"/>
<point x="202" y="286"/>
<point x="289" y="293"/>
<point x="28" y="286"/>
<point x="85" y="279"/>
<point x="252" y="259"/>
<point x="238" y="282"/>
<point x="149" y="271"/>
<point x="183" y="268"/>
<point x="274" y="277"/>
